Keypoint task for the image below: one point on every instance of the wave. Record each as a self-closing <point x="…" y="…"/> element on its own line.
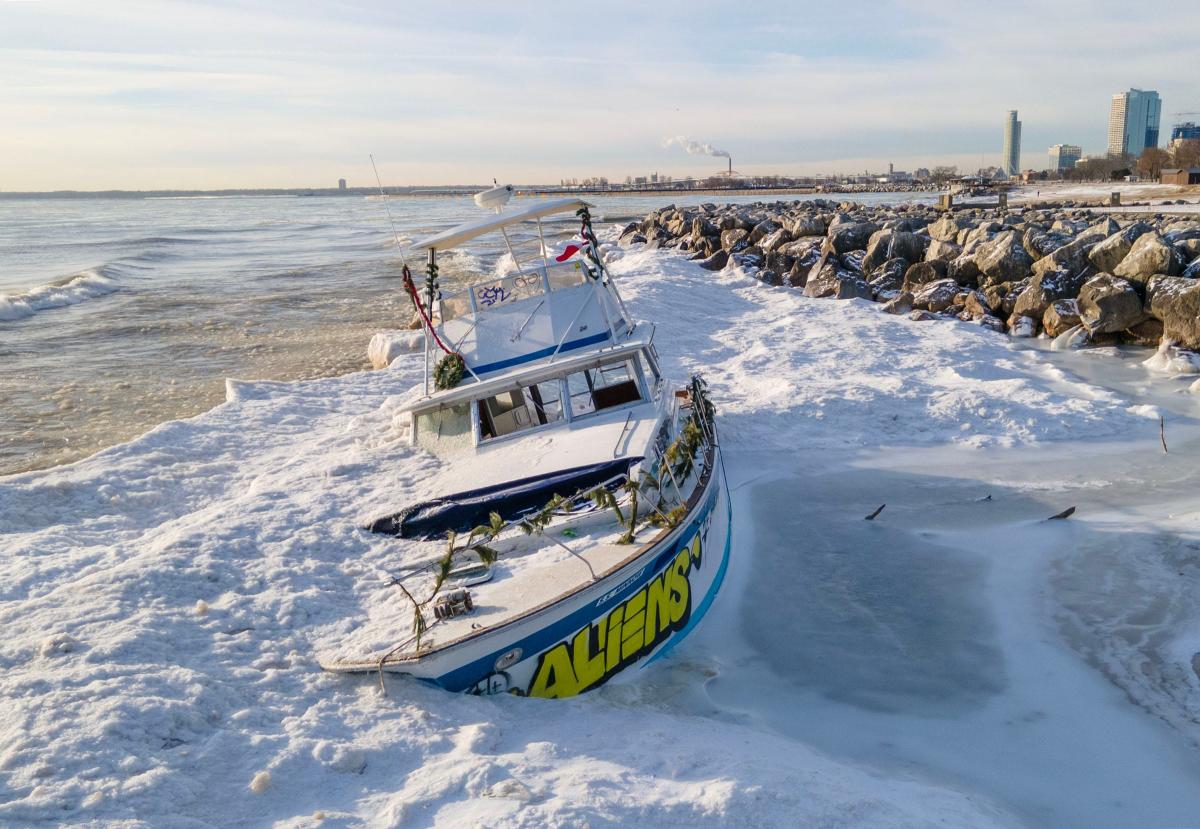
<point x="71" y="290"/>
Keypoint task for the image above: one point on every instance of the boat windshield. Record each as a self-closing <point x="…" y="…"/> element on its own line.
<point x="524" y="408"/>
<point x="603" y="387"/>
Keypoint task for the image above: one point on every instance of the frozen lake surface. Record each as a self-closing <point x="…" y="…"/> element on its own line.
<point x="960" y="637"/>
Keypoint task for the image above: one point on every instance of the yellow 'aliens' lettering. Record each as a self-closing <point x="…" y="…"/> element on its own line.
<point x="588" y="653"/>
<point x="613" y="652"/>
<point x="631" y="632"/>
<point x="628" y="632"/>
<point x="658" y="609"/>
<point x="555" y="676"/>
<point x="677" y="579"/>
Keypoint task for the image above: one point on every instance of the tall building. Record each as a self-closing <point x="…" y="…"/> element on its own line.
<point x="341" y="184"/>
<point x="1186" y="131"/>
<point x="1012" y="144"/>
<point x="1064" y="157"/>
<point x="1133" y="122"/>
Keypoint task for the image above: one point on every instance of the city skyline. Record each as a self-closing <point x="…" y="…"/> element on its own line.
<point x="189" y="95"/>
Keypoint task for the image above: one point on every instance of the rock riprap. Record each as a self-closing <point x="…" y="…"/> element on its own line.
<point x="1025" y="271"/>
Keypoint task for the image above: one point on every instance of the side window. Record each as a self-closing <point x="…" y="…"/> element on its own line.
<point x="605" y="387"/>
<point x="446" y="428"/>
<point x="524" y="408"/>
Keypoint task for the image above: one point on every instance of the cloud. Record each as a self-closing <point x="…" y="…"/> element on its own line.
<point x="211" y="94"/>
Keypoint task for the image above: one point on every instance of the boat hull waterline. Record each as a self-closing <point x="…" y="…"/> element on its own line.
<point x="628" y="618"/>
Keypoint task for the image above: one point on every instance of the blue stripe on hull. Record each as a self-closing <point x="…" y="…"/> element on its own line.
<point x="707" y="601"/>
<point x="582" y="342"/>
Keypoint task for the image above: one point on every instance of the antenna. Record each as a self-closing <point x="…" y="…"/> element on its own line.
<point x="388" y="208"/>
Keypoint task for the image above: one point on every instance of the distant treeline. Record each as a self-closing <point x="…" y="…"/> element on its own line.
<point x="295" y="191"/>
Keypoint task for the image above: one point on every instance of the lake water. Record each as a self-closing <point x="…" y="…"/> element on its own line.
<point x="117" y="314"/>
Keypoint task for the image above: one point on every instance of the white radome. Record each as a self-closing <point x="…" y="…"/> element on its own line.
<point x="494" y="198"/>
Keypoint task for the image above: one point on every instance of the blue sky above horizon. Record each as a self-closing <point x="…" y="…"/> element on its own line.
<point x="176" y="93"/>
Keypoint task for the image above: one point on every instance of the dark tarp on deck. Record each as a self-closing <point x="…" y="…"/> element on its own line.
<point x="514" y="500"/>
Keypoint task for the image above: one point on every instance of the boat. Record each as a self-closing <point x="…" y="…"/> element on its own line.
<point x="586" y="530"/>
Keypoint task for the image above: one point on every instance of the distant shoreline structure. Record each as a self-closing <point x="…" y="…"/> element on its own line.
<point x="469" y="190"/>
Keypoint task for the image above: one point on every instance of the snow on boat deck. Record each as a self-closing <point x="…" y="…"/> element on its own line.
<point x="164" y="599"/>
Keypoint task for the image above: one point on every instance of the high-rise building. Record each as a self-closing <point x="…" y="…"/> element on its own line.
<point x="1012" y="144"/>
<point x="1186" y="131"/>
<point x="341" y="184"/>
<point x="1133" y="121"/>
<point x="1064" y="157"/>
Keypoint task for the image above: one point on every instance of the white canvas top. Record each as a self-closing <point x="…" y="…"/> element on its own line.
<point x="469" y="230"/>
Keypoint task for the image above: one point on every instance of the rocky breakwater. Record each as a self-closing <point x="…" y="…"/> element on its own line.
<point x="1105" y="279"/>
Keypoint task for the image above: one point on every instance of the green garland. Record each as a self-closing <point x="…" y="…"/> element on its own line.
<point x="448" y="372"/>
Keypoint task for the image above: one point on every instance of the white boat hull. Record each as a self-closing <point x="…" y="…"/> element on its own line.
<point x="628" y="618"/>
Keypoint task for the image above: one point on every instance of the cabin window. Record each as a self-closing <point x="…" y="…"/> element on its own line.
<point x="444" y="428"/>
<point x="524" y="408"/>
<point x="603" y="387"/>
<point x="565" y="276"/>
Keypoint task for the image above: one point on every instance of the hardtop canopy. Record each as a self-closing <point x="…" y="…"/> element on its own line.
<point x="469" y="230"/>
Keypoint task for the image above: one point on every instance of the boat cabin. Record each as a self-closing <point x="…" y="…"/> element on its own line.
<point x="568" y="391"/>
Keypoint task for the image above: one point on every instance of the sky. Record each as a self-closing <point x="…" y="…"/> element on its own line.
<point x="213" y="94"/>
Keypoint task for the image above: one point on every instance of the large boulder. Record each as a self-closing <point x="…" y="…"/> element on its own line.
<point x="1108" y="254"/>
<point x="1181" y="232"/>
<point x="1032" y="302"/>
<point x="893" y="244"/>
<point x="702" y="226"/>
<point x="889" y="276"/>
<point x="1062" y="314"/>
<point x="1148" y="256"/>
<point x="715" y="262"/>
<point x="1176" y="302"/>
<point x="808" y="226"/>
<point x="1108" y="304"/>
<point x="835" y="283"/>
<point x="942" y="250"/>
<point x="905" y="245"/>
<point x="963" y="270"/>
<point x="1147" y="332"/>
<point x="1004" y="259"/>
<point x="849" y="236"/>
<point x="734" y="240"/>
<point x="978" y="305"/>
<point x="774" y="240"/>
<point x="1038" y="242"/>
<point x="1070" y="259"/>
<point x="936" y="296"/>
<point x="763" y="229"/>
<point x="922" y="273"/>
<point x="946" y="229"/>
<point x="853" y="260"/>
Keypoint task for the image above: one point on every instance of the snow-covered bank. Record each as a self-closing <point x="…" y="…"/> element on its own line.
<point x="163" y="600"/>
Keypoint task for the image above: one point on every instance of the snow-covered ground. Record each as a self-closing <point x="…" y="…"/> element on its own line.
<point x="1141" y="191"/>
<point x="956" y="662"/>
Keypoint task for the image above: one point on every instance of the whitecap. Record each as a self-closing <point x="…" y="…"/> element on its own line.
<point x="80" y="287"/>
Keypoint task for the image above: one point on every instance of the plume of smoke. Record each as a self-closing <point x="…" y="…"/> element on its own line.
<point x="694" y="147"/>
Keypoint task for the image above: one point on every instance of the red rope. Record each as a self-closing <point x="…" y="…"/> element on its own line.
<point x="412" y="291"/>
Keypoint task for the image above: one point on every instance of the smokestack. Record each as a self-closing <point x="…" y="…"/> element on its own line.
<point x="730" y="165"/>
